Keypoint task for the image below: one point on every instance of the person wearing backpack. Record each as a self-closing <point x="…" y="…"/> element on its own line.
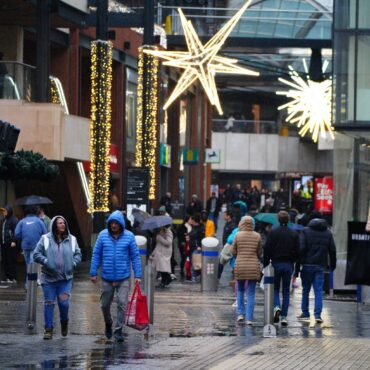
<point x="58" y="253"/>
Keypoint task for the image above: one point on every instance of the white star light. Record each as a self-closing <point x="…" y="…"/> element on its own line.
<point x="201" y="62"/>
<point x="310" y="107"/>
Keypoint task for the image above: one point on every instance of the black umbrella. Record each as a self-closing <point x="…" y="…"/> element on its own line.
<point x="32" y="200"/>
<point x="156" y="222"/>
<point x="139" y="215"/>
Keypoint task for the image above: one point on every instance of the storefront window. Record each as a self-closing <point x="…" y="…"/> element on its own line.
<point x="363" y="79"/>
<point x="345" y="11"/>
<point x="363" y="14"/>
<point x="131" y="102"/>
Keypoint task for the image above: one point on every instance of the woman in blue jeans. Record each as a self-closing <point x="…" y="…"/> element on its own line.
<point x="59" y="254"/>
<point x="248" y="249"/>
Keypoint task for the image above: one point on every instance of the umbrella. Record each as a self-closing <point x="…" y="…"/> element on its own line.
<point x="32" y="200"/>
<point x="156" y="222"/>
<point x="139" y="215"/>
<point x="268" y="218"/>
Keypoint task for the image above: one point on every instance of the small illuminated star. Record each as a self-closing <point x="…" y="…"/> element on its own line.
<point x="310" y="107"/>
<point x="201" y="62"/>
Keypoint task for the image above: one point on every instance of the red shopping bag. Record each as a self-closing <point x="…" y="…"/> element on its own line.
<point x="137" y="313"/>
<point x="188" y="268"/>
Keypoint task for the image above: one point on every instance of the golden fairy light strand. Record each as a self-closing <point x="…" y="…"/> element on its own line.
<point x="100" y="124"/>
<point x="139" y="110"/>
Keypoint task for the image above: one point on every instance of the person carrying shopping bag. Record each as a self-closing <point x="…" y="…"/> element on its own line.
<point x="58" y="254"/>
<point x="247" y="248"/>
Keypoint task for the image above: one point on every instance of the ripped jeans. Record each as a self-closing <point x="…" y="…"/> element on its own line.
<point x="60" y="290"/>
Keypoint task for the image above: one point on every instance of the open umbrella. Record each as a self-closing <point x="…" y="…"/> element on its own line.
<point x="32" y="200"/>
<point x="156" y="222"/>
<point x="268" y="218"/>
<point x="139" y="215"/>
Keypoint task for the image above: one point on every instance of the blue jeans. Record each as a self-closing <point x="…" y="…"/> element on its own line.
<point x="283" y="273"/>
<point x="312" y="276"/>
<point x="251" y="289"/>
<point x="62" y="291"/>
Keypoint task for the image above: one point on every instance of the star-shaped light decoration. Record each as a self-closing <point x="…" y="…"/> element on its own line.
<point x="310" y="105"/>
<point x="201" y="62"/>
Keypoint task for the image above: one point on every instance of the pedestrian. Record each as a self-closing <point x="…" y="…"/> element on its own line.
<point x="166" y="201"/>
<point x="281" y="248"/>
<point x="213" y="206"/>
<point x="209" y="226"/>
<point x="316" y="244"/>
<point x="115" y="251"/>
<point x="162" y="255"/>
<point x="195" y="206"/>
<point x="8" y="245"/>
<point x="195" y="244"/>
<point x="58" y="254"/>
<point x="44" y="217"/>
<point x="248" y="250"/>
<point x="29" y="231"/>
<point x="183" y="234"/>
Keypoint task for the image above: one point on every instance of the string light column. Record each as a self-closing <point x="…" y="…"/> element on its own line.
<point x="100" y="124"/>
<point x="146" y="153"/>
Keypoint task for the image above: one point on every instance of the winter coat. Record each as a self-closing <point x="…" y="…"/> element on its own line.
<point x="282" y="245"/>
<point x="163" y="251"/>
<point x="195" y="237"/>
<point x="247" y="249"/>
<point x="228" y="229"/>
<point x="316" y="243"/>
<point x="115" y="256"/>
<point x="29" y="230"/>
<point x="210" y="229"/>
<point x="7" y="227"/>
<point x="217" y="206"/>
<point x="45" y="255"/>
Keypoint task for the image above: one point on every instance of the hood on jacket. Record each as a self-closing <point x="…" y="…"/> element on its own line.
<point x="318" y="224"/>
<point x="53" y="226"/>
<point x="9" y="211"/>
<point x="118" y="217"/>
<point x="246" y="224"/>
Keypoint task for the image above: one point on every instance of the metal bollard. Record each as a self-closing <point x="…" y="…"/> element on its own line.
<point x="149" y="289"/>
<point x="141" y="242"/>
<point x="210" y="263"/>
<point x="269" y="330"/>
<point x="31" y="299"/>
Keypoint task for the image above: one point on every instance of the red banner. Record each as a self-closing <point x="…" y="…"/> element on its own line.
<point x="324" y="193"/>
<point x="113" y="160"/>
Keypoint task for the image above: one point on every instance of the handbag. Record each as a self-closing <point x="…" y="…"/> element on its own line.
<point x="137" y="316"/>
<point x="196" y="261"/>
<point x="226" y="254"/>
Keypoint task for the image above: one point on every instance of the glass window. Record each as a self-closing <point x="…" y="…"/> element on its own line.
<point x="344" y="77"/>
<point x="131" y="101"/>
<point x="363" y="79"/>
<point x="345" y="14"/>
<point x="364" y="14"/>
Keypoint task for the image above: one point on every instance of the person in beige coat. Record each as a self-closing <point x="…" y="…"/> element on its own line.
<point x="162" y="255"/>
<point x="247" y="248"/>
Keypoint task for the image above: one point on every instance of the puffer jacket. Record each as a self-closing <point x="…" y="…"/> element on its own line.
<point x="44" y="254"/>
<point x="316" y="244"/>
<point x="115" y="256"/>
<point x="247" y="248"/>
<point x="29" y="230"/>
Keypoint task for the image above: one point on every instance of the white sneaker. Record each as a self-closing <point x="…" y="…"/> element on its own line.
<point x="240" y="318"/>
<point x="173" y="277"/>
<point x="235" y="304"/>
<point x="250" y="323"/>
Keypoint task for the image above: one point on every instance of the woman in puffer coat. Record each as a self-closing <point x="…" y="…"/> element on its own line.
<point x="162" y="255"/>
<point x="247" y="248"/>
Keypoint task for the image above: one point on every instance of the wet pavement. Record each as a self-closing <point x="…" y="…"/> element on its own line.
<point x="192" y="330"/>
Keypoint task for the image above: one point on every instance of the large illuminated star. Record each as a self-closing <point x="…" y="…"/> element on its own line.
<point x="201" y="62"/>
<point x="310" y="105"/>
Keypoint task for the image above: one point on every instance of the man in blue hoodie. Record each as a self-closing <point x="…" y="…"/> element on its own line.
<point x="29" y="230"/>
<point x="316" y="244"/>
<point x="115" y="250"/>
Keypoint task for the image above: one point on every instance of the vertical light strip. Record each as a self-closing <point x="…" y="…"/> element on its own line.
<point x="100" y="124"/>
<point x="147" y="124"/>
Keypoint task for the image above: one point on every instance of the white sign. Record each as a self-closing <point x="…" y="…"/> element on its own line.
<point x="212" y="156"/>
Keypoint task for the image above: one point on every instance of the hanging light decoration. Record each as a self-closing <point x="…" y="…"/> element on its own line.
<point x="100" y="124"/>
<point x="146" y="139"/>
<point x="310" y="104"/>
<point x="201" y="62"/>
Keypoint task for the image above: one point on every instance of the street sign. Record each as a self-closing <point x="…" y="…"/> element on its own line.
<point x="137" y="185"/>
<point x="212" y="156"/>
<point x="190" y="156"/>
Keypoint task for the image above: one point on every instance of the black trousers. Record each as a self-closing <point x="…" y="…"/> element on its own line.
<point x="9" y="261"/>
<point x="166" y="278"/>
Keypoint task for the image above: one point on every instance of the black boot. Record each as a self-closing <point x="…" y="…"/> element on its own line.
<point x="64" y="327"/>
<point x="48" y="334"/>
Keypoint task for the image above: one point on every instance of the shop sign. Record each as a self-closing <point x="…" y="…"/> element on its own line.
<point x="323" y="201"/>
<point x="113" y="160"/>
<point x="164" y="155"/>
<point x="212" y="156"/>
<point x="190" y="156"/>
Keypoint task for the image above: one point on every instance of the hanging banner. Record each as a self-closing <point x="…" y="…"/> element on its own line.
<point x="190" y="156"/>
<point x="323" y="194"/>
<point x="164" y="155"/>
<point x="358" y="254"/>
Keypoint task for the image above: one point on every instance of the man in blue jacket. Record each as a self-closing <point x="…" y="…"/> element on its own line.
<point x="115" y="250"/>
<point x="29" y="230"/>
<point x="316" y="244"/>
